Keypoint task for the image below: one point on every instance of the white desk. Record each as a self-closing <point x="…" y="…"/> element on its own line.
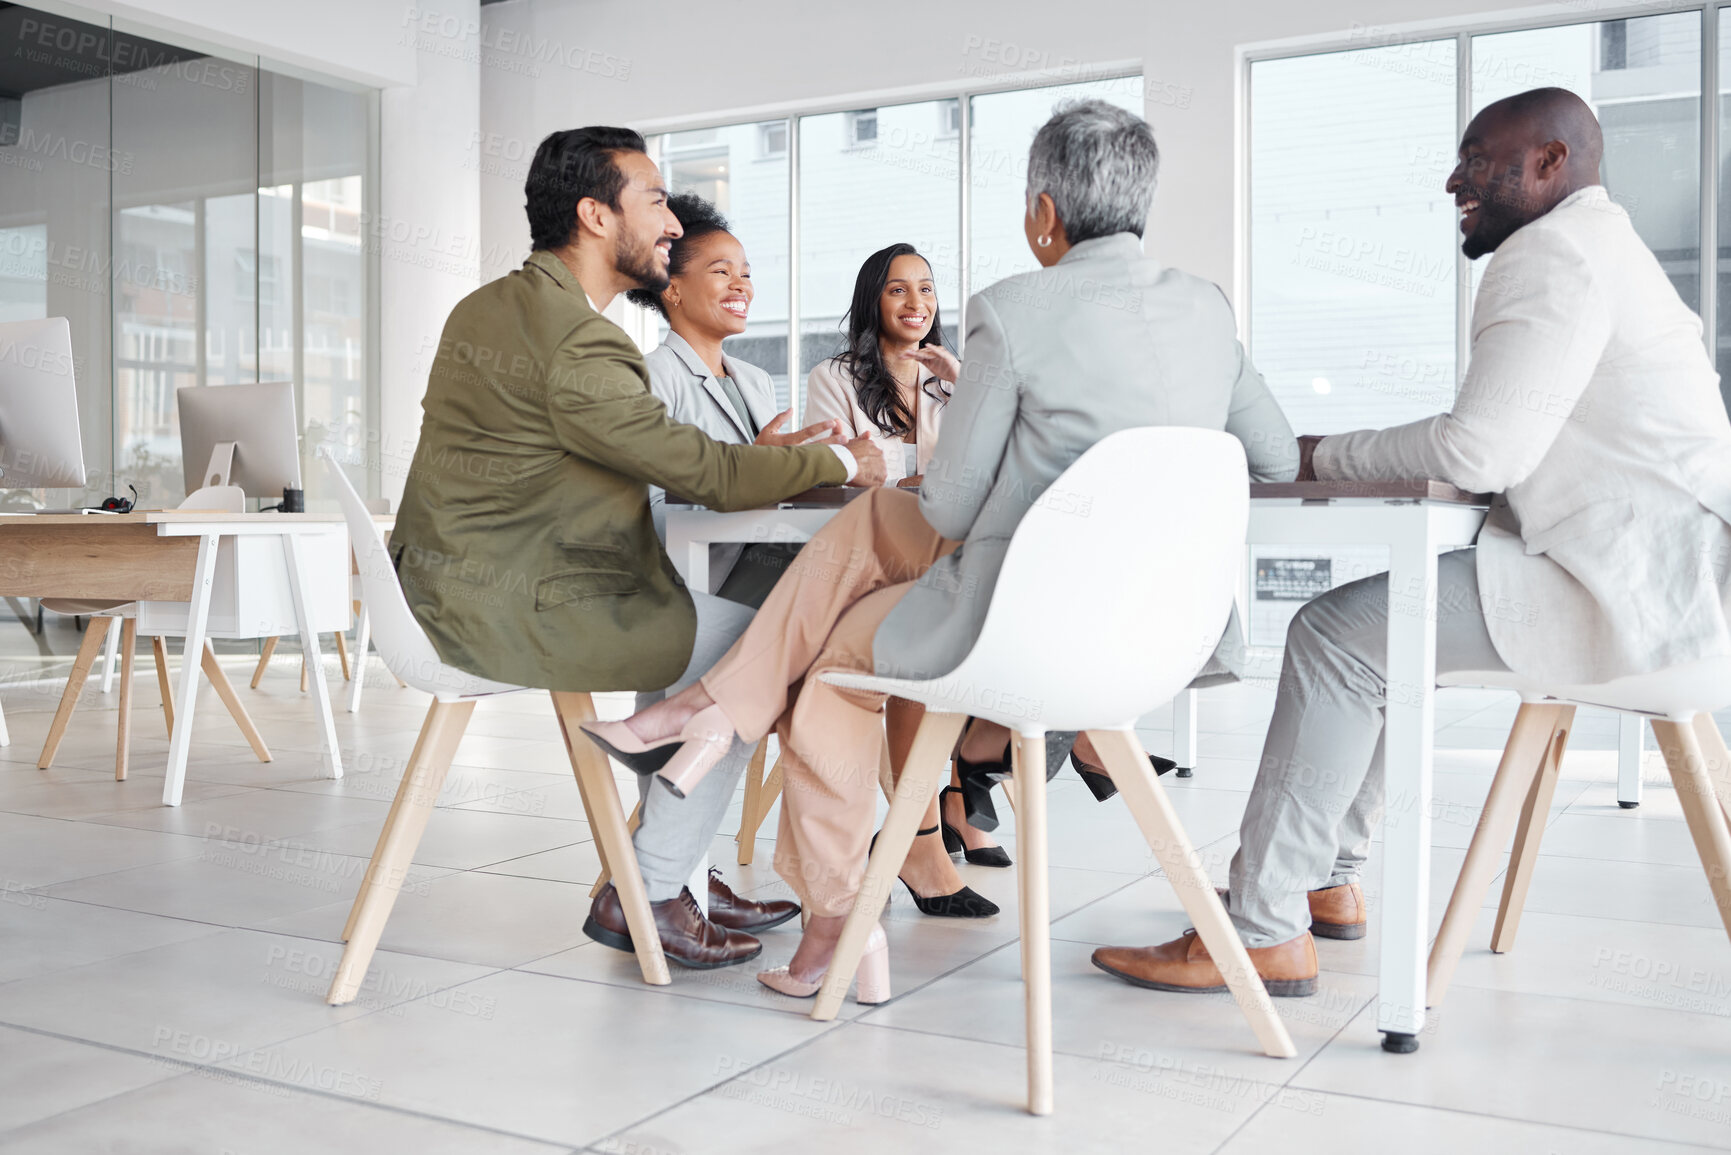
<point x="165" y="556"/>
<point x="1416" y="521"/>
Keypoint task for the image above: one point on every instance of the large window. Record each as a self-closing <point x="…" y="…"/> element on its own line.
<point x="866" y="178"/>
<point x="198" y="221"/>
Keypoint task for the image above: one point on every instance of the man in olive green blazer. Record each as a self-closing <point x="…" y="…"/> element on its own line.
<point x="525" y="544"/>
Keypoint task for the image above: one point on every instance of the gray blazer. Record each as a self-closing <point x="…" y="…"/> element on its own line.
<point x="1056" y="360"/>
<point x="693" y="396"/>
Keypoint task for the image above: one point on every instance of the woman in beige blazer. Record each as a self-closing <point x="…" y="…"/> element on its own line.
<point x="892" y="381"/>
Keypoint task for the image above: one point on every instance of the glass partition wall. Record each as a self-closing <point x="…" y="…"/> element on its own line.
<point x="197" y="218"/>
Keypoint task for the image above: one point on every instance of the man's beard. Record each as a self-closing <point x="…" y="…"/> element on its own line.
<point x="642" y="263"/>
<point x="1497" y="221"/>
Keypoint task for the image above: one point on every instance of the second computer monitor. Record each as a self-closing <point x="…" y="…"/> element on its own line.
<point x="39" y="442"/>
<point x="258" y="421"/>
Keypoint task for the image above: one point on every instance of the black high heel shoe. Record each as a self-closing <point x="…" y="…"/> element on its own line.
<point x="984" y="856"/>
<point x="1101" y="785"/>
<point x="964" y="903"/>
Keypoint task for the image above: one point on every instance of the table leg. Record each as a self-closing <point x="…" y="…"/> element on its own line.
<point x="697" y="566"/>
<point x="1631" y="728"/>
<point x="1410" y="715"/>
<point x="1184" y="732"/>
<point x="180" y="738"/>
<point x="363" y="637"/>
<point x="310" y="653"/>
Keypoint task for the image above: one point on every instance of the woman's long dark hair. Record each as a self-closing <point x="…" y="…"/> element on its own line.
<point x="874" y="386"/>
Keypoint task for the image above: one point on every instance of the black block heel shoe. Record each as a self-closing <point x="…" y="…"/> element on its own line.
<point x="984" y="856"/>
<point x="964" y="903"/>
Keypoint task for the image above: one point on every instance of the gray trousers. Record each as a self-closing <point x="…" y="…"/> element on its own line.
<point x="1319" y="788"/>
<point x="675" y="833"/>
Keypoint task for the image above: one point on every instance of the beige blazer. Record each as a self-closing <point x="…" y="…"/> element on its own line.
<point x="1590" y="406"/>
<point x="1057" y="359"/>
<point x="829" y="392"/>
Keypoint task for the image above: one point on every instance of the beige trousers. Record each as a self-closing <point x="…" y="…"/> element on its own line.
<point x="822" y="616"/>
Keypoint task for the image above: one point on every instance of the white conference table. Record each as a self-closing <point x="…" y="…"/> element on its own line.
<point x="165" y="556"/>
<point x="1416" y="521"/>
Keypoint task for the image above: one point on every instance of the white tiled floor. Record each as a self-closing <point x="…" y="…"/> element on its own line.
<point x="162" y="972"/>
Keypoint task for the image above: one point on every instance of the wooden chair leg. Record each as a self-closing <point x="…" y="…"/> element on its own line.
<point x="921" y="775"/>
<point x="1036" y="915"/>
<point x="1529" y="741"/>
<point x="606" y="875"/>
<point x="225" y="691"/>
<point x="385" y="875"/>
<point x="1128" y="763"/>
<point x="1525" y="854"/>
<point x="601" y="799"/>
<point x="88" y="650"/>
<point x="749" y="816"/>
<point x="391" y="818"/>
<point x="159" y="651"/>
<point x="1712" y="745"/>
<point x="123" y="728"/>
<point x="264" y="656"/>
<point x="1684" y="758"/>
<point x="342" y="652"/>
<point x="303" y="673"/>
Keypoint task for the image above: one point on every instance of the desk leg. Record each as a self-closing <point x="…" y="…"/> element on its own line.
<point x="1630" y="730"/>
<point x="180" y="741"/>
<point x="1184" y="732"/>
<point x="697" y="566"/>
<point x="291" y="547"/>
<point x="5" y="738"/>
<point x="363" y="638"/>
<point x="1410" y="714"/>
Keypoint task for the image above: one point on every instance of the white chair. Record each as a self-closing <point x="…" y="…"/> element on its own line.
<point x="405" y="649"/>
<point x="1091" y="626"/>
<point x="1679" y="702"/>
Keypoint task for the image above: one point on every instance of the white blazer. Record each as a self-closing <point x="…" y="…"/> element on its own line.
<point x="830" y="392"/>
<point x="693" y="396"/>
<point x="1590" y="406"/>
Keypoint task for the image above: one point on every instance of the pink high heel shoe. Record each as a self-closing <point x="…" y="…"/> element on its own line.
<point x="704" y="740"/>
<point x="680" y="759"/>
<point x="871" y="982"/>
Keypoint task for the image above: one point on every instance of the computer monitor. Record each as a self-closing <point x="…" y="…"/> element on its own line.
<point x="39" y="443"/>
<point x="243" y="435"/>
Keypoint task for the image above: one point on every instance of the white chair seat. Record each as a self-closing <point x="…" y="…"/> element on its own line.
<point x="407" y="652"/>
<point x="1676" y="693"/>
<point x="1090" y="626"/>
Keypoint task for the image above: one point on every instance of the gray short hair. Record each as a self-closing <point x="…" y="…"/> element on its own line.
<point x="1098" y="163"/>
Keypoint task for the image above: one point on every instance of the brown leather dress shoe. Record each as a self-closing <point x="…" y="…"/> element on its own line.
<point x="1287" y="968"/>
<point x="736" y="913"/>
<point x="1335" y="912"/>
<point x="687" y="937"/>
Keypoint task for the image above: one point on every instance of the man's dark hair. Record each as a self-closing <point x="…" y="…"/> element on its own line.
<point x="699" y="219"/>
<point x="571" y="165"/>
